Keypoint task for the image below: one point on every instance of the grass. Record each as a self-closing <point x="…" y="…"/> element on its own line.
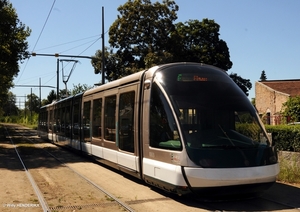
<point x="36" y="201"/>
<point x="289" y="167"/>
<point x="108" y="198"/>
<point x="30" y="122"/>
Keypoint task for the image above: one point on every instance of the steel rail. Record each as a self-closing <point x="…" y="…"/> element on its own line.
<point x="29" y="176"/>
<point x="121" y="203"/>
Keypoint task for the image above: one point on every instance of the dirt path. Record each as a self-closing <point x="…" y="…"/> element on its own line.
<point x="61" y="188"/>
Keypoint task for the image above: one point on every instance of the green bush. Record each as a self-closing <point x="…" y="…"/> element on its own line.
<point x="285" y="137"/>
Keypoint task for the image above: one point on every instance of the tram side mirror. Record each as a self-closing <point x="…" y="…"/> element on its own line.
<point x="147" y="84"/>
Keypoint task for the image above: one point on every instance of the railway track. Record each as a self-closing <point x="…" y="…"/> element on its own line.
<point x="48" y="185"/>
<point x="58" y="174"/>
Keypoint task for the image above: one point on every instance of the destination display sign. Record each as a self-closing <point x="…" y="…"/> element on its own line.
<point x="191" y="77"/>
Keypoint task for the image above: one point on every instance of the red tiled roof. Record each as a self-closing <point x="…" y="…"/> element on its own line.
<point x="291" y="87"/>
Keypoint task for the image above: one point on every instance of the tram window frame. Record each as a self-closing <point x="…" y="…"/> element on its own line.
<point x="68" y="120"/>
<point x="50" y="127"/>
<point x="63" y="120"/>
<point x="110" y="118"/>
<point x="55" y="112"/>
<point x="97" y="118"/>
<point x="58" y="119"/>
<point x="45" y="121"/>
<point x="163" y="130"/>
<point x="126" y="123"/>
<point x="76" y="119"/>
<point x="86" y="123"/>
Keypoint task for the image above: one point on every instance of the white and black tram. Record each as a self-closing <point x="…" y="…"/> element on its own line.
<point x="183" y="127"/>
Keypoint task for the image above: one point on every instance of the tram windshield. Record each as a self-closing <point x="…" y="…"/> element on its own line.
<point x="220" y="127"/>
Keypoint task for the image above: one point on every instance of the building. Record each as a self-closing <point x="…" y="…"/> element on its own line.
<point x="271" y="94"/>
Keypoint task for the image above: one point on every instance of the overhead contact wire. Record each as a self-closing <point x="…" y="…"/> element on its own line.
<point x="38" y="37"/>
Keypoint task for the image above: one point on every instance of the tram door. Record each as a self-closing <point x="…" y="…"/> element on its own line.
<point x="126" y="136"/>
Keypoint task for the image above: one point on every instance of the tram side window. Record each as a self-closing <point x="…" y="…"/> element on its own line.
<point x="58" y="119"/>
<point x="97" y="111"/>
<point x="110" y="118"/>
<point x="86" y="121"/>
<point x="46" y="121"/>
<point x="163" y="130"/>
<point x="43" y="121"/>
<point x="55" y="121"/>
<point x="51" y="121"/>
<point x="126" y="121"/>
<point x="68" y="121"/>
<point x="63" y="119"/>
<point x="76" y="122"/>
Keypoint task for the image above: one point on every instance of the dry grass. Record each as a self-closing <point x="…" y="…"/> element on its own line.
<point x="289" y="167"/>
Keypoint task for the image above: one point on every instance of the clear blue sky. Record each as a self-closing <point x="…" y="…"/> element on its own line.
<point x="260" y="35"/>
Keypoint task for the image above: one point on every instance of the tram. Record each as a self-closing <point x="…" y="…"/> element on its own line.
<point x="182" y="127"/>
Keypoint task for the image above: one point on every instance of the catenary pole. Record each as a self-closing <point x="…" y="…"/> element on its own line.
<point x="57" y="82"/>
<point x="103" y="49"/>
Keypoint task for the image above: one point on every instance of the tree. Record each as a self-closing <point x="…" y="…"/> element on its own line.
<point x="244" y="84"/>
<point x="80" y="88"/>
<point x="114" y="68"/>
<point x="197" y="41"/>
<point x="145" y="35"/>
<point x="64" y="93"/>
<point x="253" y="102"/>
<point x="50" y="98"/>
<point x="263" y="76"/>
<point x="76" y="90"/>
<point x="291" y="109"/>
<point x="142" y="28"/>
<point x="13" y="47"/>
<point x="33" y="103"/>
<point x="9" y="107"/>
